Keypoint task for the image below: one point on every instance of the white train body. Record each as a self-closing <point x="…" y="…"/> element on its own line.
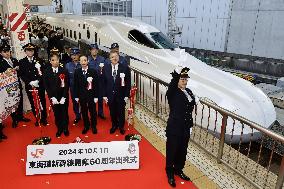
<point x="226" y="90"/>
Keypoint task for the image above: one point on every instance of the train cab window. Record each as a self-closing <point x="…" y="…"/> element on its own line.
<point x="161" y="40"/>
<point x="75" y="35"/>
<point x="79" y="35"/>
<point x="67" y="34"/>
<point x="71" y="34"/>
<point x="88" y="34"/>
<point x="138" y="37"/>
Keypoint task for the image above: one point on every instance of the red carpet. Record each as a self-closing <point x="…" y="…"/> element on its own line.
<point x="151" y="174"/>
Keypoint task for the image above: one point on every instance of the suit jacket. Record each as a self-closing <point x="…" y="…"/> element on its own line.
<point x="180" y="118"/>
<point x="4" y="65"/>
<point x="52" y="83"/>
<point x="115" y="89"/>
<point x="28" y="72"/>
<point x="81" y="85"/>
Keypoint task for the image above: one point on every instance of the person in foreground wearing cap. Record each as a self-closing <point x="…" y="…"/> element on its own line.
<point x="117" y="81"/>
<point x="97" y="62"/>
<point x="31" y="70"/>
<point x="115" y="47"/>
<point x="71" y="67"/>
<point x="86" y="93"/>
<point x="181" y="102"/>
<point x="7" y="62"/>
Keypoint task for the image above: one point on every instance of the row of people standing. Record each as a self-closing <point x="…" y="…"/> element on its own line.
<point x="42" y="76"/>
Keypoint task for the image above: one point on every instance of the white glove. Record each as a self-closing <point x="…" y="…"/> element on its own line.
<point x="34" y="83"/>
<point x="95" y="100"/>
<point x="77" y="100"/>
<point x="125" y="99"/>
<point x="62" y="100"/>
<point x="105" y="99"/>
<point x="54" y="100"/>
<point x="178" y="69"/>
<point x="196" y="100"/>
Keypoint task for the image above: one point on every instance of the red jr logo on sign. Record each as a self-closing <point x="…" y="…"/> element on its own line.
<point x="38" y="153"/>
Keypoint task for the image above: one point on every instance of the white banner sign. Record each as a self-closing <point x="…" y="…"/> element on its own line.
<point x="9" y="93"/>
<point x="82" y="157"/>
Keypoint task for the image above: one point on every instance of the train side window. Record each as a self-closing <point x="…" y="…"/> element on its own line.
<point x="75" y="35"/>
<point x="96" y="36"/>
<point x="138" y="37"/>
<point x="71" y="34"/>
<point x="67" y="34"/>
<point x="84" y="26"/>
<point x="88" y="34"/>
<point x="79" y="35"/>
<point x="64" y="31"/>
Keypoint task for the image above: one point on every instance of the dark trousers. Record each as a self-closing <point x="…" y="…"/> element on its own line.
<point x="61" y="116"/>
<point x="100" y="106"/>
<point x="86" y="107"/>
<point x="1" y="129"/>
<point x="75" y="104"/>
<point x="176" y="150"/>
<point x="117" y="113"/>
<point x="41" y="94"/>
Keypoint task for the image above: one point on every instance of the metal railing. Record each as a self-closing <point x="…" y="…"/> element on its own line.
<point x="231" y="139"/>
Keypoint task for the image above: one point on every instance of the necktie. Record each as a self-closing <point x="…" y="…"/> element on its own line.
<point x="114" y="74"/>
<point x="84" y="73"/>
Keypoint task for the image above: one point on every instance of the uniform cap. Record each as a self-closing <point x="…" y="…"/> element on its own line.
<point x="29" y="46"/>
<point x="114" y="45"/>
<point x="94" y="46"/>
<point x="75" y="50"/>
<point x="184" y="72"/>
<point x="5" y="47"/>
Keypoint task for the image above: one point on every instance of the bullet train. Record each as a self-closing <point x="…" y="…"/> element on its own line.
<point x="153" y="53"/>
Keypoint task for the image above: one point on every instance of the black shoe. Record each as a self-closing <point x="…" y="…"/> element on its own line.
<point x="76" y="120"/>
<point x="44" y="122"/>
<point x="85" y="130"/>
<point x="36" y="124"/>
<point x="112" y="130"/>
<point x="3" y="137"/>
<point x="58" y="134"/>
<point x="182" y="175"/>
<point x="102" y="116"/>
<point x="14" y="124"/>
<point x="171" y="180"/>
<point x="66" y="132"/>
<point x="122" y="131"/>
<point x="23" y="119"/>
<point x="94" y="130"/>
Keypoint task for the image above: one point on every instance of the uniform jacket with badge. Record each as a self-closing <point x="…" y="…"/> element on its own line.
<point x="4" y="65"/>
<point x="81" y="85"/>
<point x="29" y="72"/>
<point x="116" y="89"/>
<point x="180" y="118"/>
<point x="53" y="83"/>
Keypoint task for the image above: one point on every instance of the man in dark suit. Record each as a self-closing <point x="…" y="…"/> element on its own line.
<point x="7" y="62"/>
<point x="181" y="101"/>
<point x="86" y="93"/>
<point x="97" y="62"/>
<point x="31" y="69"/>
<point x="56" y="84"/>
<point x="117" y="88"/>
